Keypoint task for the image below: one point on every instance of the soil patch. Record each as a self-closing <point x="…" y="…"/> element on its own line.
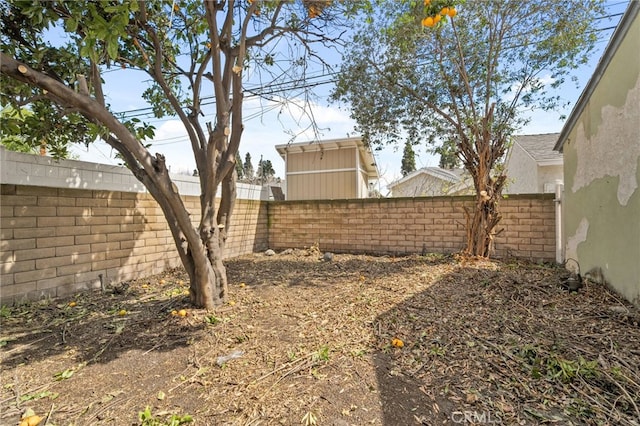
<point x="351" y="341"/>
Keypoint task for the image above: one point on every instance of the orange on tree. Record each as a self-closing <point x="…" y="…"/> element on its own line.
<point x="314" y="11"/>
<point x="452" y="12"/>
<point x="428" y="22"/>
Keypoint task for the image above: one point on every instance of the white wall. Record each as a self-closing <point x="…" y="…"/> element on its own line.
<point x="522" y="176"/>
<point x="27" y="169"/>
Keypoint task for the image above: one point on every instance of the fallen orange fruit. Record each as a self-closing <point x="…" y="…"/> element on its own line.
<point x="72" y="304"/>
<point x="182" y="312"/>
<point x="397" y="343"/>
<point x="31" y="421"/>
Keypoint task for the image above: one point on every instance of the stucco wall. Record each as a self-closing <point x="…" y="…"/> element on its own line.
<point x="522" y="173"/>
<point x="547" y="177"/>
<point x="602" y="176"/>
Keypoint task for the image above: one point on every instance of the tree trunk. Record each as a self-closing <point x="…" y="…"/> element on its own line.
<point x="227" y="203"/>
<point x="480" y="155"/>
<point x="481" y="226"/>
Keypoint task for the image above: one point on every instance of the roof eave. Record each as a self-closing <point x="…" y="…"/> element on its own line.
<point x="555" y="162"/>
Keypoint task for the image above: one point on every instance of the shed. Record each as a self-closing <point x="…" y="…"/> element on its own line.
<point x="330" y="169"/>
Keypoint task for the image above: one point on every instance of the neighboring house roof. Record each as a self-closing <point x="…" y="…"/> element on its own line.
<point x="457" y="180"/>
<point x="616" y="39"/>
<point x="539" y="148"/>
<point x="368" y="160"/>
<point x="452" y="176"/>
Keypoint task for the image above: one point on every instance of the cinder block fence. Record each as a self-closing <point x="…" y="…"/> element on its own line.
<point x="63" y="225"/>
<point x="411" y="225"/>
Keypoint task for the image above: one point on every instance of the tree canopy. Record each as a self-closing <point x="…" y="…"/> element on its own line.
<point x="265" y="170"/>
<point x="408" y="159"/>
<point x="463" y="81"/>
<point x="55" y="54"/>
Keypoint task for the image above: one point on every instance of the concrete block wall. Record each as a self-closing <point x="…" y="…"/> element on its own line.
<point x="57" y="241"/>
<point x="61" y="229"/>
<point x="410" y="225"/>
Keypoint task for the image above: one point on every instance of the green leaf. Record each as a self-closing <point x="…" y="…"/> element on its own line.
<point x="112" y="49"/>
<point x="71" y="25"/>
<point x="63" y="375"/>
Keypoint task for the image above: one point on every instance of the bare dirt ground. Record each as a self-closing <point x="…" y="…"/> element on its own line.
<point x="309" y="341"/>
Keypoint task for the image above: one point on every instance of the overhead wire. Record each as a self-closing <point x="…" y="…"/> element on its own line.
<point x="284" y="86"/>
<point x="273" y="88"/>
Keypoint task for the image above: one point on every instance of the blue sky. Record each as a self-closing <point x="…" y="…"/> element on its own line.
<point x="268" y="124"/>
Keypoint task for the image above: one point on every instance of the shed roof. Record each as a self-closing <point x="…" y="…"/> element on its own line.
<point x="616" y="39"/>
<point x="368" y="160"/>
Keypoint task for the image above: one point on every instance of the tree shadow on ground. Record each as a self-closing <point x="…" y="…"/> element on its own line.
<point x="497" y="343"/>
<point x="287" y="270"/>
<point x="97" y="327"/>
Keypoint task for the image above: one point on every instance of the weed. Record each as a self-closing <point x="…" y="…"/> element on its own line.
<point x="241" y="338"/>
<point x="63" y="375"/>
<point x="148" y="419"/>
<point x="292" y="355"/>
<point x="317" y="375"/>
<point x="39" y="395"/>
<point x="5" y="311"/>
<point x="358" y="353"/>
<point x="437" y="350"/>
<point x="567" y="370"/>
<point x="554" y="366"/>
<point x="212" y="319"/>
<point x="579" y="408"/>
<point x="322" y="354"/>
<point x="177" y="291"/>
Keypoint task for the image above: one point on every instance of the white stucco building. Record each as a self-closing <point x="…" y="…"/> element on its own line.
<point x="532" y="165"/>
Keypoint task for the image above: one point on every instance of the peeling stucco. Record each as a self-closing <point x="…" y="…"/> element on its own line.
<point x="573" y="241"/>
<point x="608" y="151"/>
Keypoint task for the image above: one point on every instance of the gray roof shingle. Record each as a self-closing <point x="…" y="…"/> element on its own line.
<point x="540" y="147"/>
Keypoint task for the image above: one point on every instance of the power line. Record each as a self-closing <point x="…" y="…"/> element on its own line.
<point x="293" y="84"/>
